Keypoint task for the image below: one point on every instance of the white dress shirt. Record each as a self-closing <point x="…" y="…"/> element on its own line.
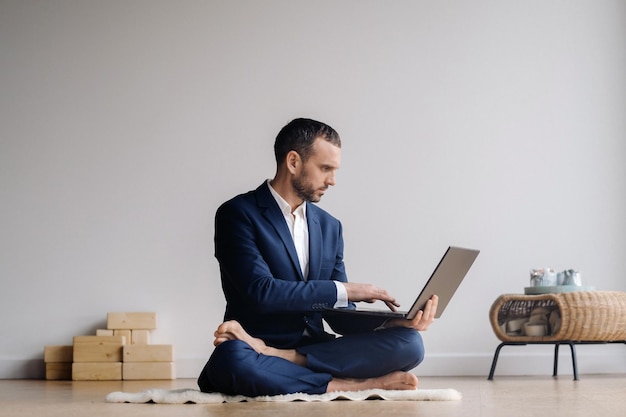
<point x="298" y="227"/>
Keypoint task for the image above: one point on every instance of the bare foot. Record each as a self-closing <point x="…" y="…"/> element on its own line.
<point x="232" y="330"/>
<point x="393" y="381"/>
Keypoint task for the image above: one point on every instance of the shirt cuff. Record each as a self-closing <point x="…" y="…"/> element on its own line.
<point x="342" y="295"/>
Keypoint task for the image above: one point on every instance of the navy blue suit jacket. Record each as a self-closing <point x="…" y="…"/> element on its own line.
<point x="261" y="277"/>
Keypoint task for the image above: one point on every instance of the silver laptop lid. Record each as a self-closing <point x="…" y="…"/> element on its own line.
<point x="445" y="279"/>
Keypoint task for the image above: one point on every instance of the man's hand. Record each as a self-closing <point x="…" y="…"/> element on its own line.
<point x="369" y="294"/>
<point x="422" y="320"/>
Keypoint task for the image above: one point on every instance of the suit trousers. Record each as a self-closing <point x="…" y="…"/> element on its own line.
<point x="236" y="369"/>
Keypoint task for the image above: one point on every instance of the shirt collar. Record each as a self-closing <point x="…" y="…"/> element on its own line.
<point x="284" y="205"/>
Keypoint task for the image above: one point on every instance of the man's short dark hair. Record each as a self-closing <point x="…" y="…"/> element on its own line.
<point x="299" y="135"/>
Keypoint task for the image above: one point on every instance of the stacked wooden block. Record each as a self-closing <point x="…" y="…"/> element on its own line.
<point x="121" y="351"/>
<point x="58" y="361"/>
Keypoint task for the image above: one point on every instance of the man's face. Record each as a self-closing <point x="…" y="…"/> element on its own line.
<point x="318" y="172"/>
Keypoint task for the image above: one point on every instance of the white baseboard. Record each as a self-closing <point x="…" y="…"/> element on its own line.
<point x="514" y="360"/>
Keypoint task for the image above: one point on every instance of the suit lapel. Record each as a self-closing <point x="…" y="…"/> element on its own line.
<point x="275" y="217"/>
<point x="315" y="243"/>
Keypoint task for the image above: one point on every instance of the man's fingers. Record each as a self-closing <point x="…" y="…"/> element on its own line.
<point x="392" y="306"/>
<point x="422" y="320"/>
<point x="385" y="297"/>
<point x="433" y="307"/>
<point x="369" y="293"/>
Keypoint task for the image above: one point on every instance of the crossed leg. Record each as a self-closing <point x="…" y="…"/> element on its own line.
<point x="399" y="380"/>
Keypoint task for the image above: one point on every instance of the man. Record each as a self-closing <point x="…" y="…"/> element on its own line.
<point x="281" y="265"/>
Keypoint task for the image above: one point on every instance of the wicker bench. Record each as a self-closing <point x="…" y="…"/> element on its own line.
<point x="575" y="318"/>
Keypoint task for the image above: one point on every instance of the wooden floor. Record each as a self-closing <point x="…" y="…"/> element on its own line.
<point x="593" y="395"/>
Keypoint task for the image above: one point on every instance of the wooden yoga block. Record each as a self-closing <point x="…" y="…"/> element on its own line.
<point x="98" y="348"/>
<point x="56" y="354"/>
<point x="140" y="337"/>
<point x="60" y="371"/>
<point x="97" y="371"/>
<point x="131" y="321"/>
<point x="148" y="353"/>
<point x="148" y="370"/>
<point x="104" y="332"/>
<point x="126" y="333"/>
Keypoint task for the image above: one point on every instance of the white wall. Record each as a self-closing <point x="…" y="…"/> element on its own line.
<point x="123" y="125"/>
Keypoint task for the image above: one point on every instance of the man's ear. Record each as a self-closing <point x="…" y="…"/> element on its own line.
<point x="293" y="161"/>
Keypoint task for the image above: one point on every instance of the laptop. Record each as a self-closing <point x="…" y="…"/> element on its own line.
<point x="443" y="282"/>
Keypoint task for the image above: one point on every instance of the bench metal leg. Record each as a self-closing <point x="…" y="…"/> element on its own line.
<point x="555" y="371"/>
<point x="497" y="354"/>
<point x="572" y="347"/>
<point x="495" y="361"/>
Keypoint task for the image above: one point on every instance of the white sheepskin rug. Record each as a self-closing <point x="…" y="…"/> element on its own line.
<point x="183" y="396"/>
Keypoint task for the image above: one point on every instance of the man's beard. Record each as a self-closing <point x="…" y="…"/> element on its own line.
<point x="303" y="188"/>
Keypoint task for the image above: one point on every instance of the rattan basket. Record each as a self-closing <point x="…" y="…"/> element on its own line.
<point x="584" y="315"/>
